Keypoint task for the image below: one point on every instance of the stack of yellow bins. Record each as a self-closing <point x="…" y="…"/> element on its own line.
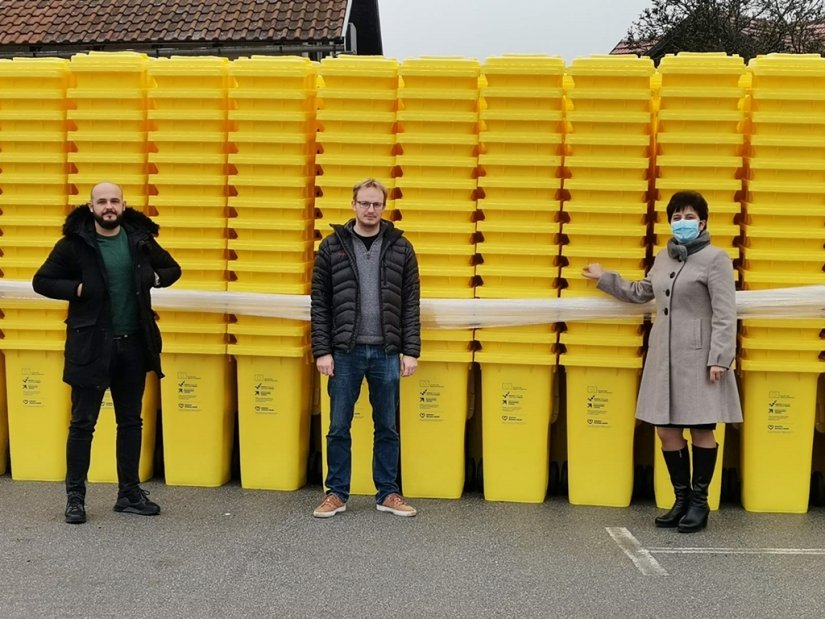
<point x="436" y="201"/>
<point x="187" y="139"/>
<point x="604" y="221"/>
<point x="356" y="116"/>
<point x="33" y="202"/>
<point x="784" y="236"/>
<point x="521" y="174"/>
<point x="272" y="149"/>
<point x="700" y="138"/>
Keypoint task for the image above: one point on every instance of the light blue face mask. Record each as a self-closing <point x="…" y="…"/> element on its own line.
<point x="685" y="230"/>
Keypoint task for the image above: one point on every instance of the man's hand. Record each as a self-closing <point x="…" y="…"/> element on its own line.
<point x="408" y="365"/>
<point x="593" y="271"/>
<point x="325" y="365"/>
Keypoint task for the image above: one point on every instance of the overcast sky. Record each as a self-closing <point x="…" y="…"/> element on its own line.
<point x="483" y="28"/>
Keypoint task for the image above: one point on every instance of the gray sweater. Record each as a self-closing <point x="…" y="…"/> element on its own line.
<point x="369" y="278"/>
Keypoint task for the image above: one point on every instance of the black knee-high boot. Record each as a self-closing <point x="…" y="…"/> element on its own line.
<point x="704" y="463"/>
<point x="678" y="465"/>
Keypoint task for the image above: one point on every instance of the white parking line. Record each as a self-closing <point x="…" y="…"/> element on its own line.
<point x="739" y="551"/>
<point x="641" y="557"/>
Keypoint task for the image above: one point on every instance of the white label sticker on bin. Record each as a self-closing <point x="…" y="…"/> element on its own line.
<point x="597" y="406"/>
<point x="512" y="401"/>
<point x="265" y="388"/>
<point x="429" y="400"/>
<point x="188" y="392"/>
<point x="779" y="408"/>
<point x="31" y="382"/>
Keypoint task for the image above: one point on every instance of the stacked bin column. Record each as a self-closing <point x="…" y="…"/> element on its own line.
<point x="435" y="206"/>
<point x="604" y="220"/>
<point x="521" y="170"/>
<point x="784" y="232"/>
<point x="187" y="137"/>
<point x="107" y="111"/>
<point x="33" y="176"/>
<point x="356" y="115"/>
<point x="699" y="146"/>
<point x="272" y="139"/>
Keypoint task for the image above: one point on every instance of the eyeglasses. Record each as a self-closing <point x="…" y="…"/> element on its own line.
<point x="368" y="205"/>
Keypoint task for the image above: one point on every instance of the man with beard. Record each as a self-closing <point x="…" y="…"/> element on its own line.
<point x="105" y="266"/>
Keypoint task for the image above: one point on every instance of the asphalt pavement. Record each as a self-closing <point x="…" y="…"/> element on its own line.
<point x="230" y="552"/>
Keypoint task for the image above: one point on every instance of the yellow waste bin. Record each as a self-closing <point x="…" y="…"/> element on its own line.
<point x="362" y="439"/>
<point x="777" y="435"/>
<point x="103" y="465"/>
<point x="516" y="400"/>
<point x="39" y="409"/>
<point x="273" y="418"/>
<point x="433" y="422"/>
<point x="601" y="406"/>
<point x="4" y="419"/>
<point x="197" y="418"/>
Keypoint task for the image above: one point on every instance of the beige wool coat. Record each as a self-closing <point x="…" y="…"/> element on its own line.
<point x="695" y="328"/>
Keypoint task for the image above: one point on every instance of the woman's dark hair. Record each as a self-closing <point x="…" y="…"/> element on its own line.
<point x="682" y="199"/>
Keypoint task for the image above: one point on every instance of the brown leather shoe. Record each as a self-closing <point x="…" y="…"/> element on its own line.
<point x="397" y="505"/>
<point x="330" y="506"/>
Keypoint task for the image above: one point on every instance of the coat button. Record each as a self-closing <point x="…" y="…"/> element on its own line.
<point x="672" y="275"/>
<point x="667" y="293"/>
<point x="666" y="312"/>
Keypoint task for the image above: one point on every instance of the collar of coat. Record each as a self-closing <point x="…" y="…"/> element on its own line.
<point x="82" y="223"/>
<point x="388" y="229"/>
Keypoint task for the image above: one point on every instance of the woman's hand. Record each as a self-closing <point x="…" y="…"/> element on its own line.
<point x="716" y="373"/>
<point x="593" y="271"/>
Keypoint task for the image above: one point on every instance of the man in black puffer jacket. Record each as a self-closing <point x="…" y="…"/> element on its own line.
<point x="104" y="266"/>
<point x="365" y="323"/>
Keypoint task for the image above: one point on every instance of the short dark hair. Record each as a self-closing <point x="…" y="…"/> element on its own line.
<point x="682" y="199"/>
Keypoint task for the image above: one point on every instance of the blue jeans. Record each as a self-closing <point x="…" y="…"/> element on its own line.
<point x="382" y="372"/>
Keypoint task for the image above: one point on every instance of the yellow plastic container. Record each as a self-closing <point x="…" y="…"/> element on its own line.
<point x="103" y="465"/>
<point x="4" y="418"/>
<point x="198" y="418"/>
<point x="663" y="489"/>
<point x="39" y="410"/>
<point x="433" y="420"/>
<point x="273" y="419"/>
<point x="361" y="432"/>
<point x="777" y="436"/>
<point x="517" y="406"/>
<point x="601" y="404"/>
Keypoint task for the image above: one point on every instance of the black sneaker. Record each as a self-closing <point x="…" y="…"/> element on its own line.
<point x="137" y="503"/>
<point x="75" y="510"/>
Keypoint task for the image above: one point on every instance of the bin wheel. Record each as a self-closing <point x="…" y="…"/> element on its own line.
<point x="563" y="479"/>
<point x="469" y="474"/>
<point x="648" y="489"/>
<point x="817" y="489"/>
<point x="480" y="474"/>
<point x="553" y="481"/>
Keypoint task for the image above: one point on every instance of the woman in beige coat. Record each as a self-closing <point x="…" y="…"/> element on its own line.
<point x="686" y="382"/>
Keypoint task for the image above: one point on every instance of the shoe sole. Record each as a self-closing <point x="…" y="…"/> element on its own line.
<point x="395" y="512"/>
<point x="337" y="510"/>
<point x="75" y="521"/>
<point x="132" y="510"/>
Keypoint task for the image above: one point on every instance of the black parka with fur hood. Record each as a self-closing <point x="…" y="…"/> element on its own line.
<point x="76" y="259"/>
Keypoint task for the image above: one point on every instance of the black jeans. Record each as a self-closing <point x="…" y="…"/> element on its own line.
<point x="127" y="381"/>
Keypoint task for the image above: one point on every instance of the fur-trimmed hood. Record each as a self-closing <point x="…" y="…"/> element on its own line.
<point x="81" y="221"/>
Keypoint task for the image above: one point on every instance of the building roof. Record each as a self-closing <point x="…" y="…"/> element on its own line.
<point x="125" y="22"/>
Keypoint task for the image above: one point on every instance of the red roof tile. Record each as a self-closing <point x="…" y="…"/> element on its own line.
<point x="49" y="22"/>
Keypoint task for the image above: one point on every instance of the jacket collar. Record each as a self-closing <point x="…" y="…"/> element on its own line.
<point x="81" y="222"/>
